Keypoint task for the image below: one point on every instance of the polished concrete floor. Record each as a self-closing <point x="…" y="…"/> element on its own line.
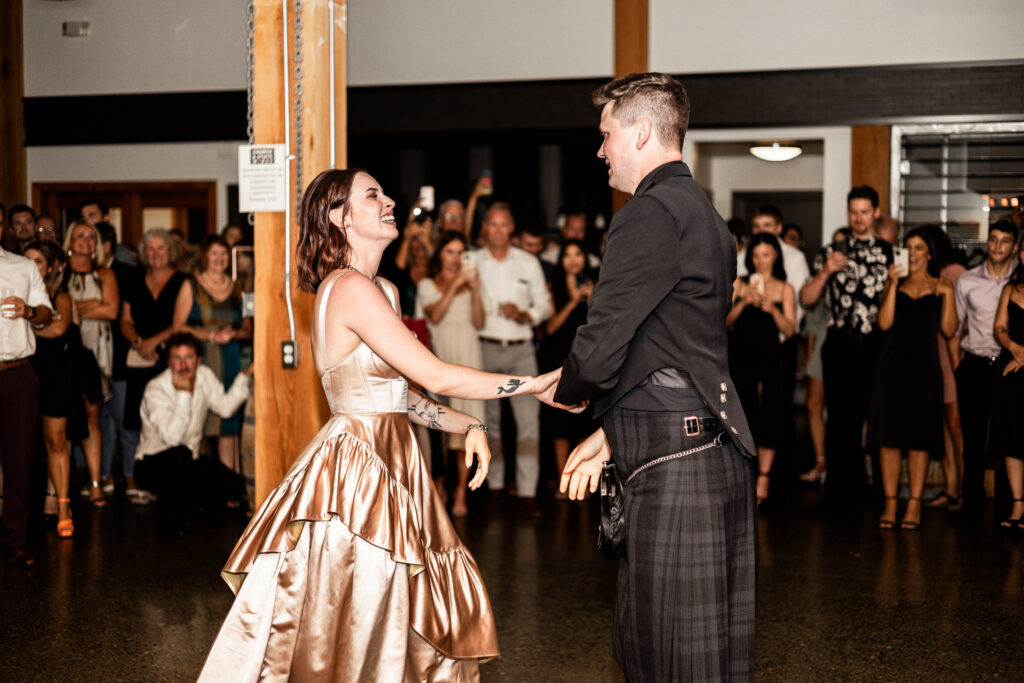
<point x="837" y="601"/>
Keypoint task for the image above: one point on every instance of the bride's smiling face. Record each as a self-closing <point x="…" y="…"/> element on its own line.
<point x="370" y="215"/>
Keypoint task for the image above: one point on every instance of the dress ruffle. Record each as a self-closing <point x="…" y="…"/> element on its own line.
<point x="368" y="472"/>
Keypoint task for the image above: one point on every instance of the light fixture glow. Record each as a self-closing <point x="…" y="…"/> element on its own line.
<point x="776" y="152"/>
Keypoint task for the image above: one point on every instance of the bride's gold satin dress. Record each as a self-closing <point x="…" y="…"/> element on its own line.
<point x="351" y="570"/>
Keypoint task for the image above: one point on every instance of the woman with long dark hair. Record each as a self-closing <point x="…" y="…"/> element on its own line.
<point x="571" y="286"/>
<point x="351" y="568"/>
<point x="906" y="403"/>
<point x="59" y="397"/>
<point x="764" y="307"/>
<point x="1007" y="436"/>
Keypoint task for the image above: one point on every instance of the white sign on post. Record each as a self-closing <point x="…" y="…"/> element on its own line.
<point x="261" y="178"/>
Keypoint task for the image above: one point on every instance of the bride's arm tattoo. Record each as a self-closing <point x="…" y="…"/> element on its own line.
<point x="428" y="411"/>
<point x="511" y="387"/>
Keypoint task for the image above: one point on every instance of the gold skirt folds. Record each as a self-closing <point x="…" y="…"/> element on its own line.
<point x="351" y="571"/>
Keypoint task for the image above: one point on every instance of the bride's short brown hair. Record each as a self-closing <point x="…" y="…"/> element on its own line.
<point x="323" y="247"/>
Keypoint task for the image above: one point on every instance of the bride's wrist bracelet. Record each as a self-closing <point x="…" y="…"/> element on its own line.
<point x="481" y="427"/>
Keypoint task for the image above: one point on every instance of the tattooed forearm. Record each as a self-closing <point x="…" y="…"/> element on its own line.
<point x="428" y="411"/>
<point x="511" y="387"/>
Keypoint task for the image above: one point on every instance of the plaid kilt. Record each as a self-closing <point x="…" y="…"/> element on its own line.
<point x="684" y="606"/>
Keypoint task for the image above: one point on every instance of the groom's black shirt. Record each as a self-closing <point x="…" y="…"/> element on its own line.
<point x="665" y="289"/>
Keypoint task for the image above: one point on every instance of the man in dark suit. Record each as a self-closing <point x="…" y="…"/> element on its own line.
<point x="652" y="359"/>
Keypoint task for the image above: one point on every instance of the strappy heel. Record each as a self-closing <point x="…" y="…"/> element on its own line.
<point x="1011" y="522"/>
<point x="888" y="524"/>
<point x="65" y="527"/>
<point x="907" y="525"/>
<point x="96" y="497"/>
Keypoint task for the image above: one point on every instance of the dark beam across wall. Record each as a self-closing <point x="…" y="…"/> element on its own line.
<point x="850" y="96"/>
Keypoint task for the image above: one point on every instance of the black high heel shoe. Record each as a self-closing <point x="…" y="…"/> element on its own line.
<point x="888" y="524"/>
<point x="1011" y="522"/>
<point x="906" y="525"/>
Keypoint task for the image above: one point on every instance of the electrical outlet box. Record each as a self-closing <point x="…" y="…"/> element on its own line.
<point x="290" y="354"/>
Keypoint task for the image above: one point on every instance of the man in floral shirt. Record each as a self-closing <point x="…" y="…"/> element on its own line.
<point x="852" y="274"/>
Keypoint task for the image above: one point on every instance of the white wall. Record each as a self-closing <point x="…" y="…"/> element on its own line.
<point x="745" y="35"/>
<point x="135" y="46"/>
<point x="137" y="163"/>
<point x="834" y="180"/>
<point x="175" y="45"/>
<point x="726" y="174"/>
<point x="402" y="41"/>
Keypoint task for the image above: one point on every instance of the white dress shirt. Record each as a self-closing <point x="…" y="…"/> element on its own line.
<point x="797" y="272"/>
<point x="20" y="275"/>
<point x="519" y="279"/>
<point x="175" y="418"/>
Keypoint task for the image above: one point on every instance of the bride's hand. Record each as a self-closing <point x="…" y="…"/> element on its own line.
<point x="583" y="468"/>
<point x="544" y="388"/>
<point x="476" y="444"/>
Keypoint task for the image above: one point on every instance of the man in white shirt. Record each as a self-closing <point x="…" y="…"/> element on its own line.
<point x="23" y="300"/>
<point x="517" y="298"/>
<point x="174" y="409"/>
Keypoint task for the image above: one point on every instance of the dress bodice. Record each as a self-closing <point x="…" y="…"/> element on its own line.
<point x="361" y="382"/>
<point x="1015" y="321"/>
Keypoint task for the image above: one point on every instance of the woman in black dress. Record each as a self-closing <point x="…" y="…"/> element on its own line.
<point x="763" y="308"/>
<point x="152" y="309"/>
<point x="59" y="397"/>
<point x="570" y="287"/>
<point x="1008" y="408"/>
<point x="906" y="403"/>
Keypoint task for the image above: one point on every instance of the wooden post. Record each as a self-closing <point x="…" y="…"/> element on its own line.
<point x="290" y="406"/>
<point x="870" y="160"/>
<point x="13" y="169"/>
<point x="631" y="40"/>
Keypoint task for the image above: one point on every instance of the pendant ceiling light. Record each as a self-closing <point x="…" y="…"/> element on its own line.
<point x="776" y="151"/>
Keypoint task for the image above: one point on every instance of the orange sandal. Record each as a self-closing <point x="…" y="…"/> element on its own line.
<point x="65" y="527"/>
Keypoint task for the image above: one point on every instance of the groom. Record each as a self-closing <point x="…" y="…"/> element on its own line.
<point x="652" y="358"/>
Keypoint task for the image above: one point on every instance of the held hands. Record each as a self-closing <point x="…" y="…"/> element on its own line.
<point x="476" y="444"/>
<point x="544" y="388"/>
<point x="513" y="312"/>
<point x="147" y="348"/>
<point x="222" y="336"/>
<point x="583" y="469"/>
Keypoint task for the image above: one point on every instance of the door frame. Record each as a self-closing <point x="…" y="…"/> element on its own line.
<point x="53" y="197"/>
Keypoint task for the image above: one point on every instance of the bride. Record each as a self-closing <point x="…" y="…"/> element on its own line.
<point x="351" y="570"/>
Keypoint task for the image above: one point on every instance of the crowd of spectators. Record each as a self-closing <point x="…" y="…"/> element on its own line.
<point x="902" y="351"/>
<point x="91" y="334"/>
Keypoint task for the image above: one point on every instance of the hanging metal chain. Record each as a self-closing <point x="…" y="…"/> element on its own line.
<point x="298" y="108"/>
<point x="250" y="75"/>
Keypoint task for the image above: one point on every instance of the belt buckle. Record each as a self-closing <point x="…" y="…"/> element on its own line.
<point x="691" y="426"/>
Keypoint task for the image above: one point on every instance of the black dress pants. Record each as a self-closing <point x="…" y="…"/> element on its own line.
<point x="19" y="410"/>
<point x="848" y="364"/>
<point x="975" y="387"/>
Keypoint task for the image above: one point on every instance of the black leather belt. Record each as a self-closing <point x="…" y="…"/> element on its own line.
<point x="695" y="426"/>
<point x="503" y="342"/>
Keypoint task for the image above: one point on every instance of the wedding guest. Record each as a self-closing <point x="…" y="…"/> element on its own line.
<point x="158" y="302"/>
<point x="58" y="398"/>
<point x="571" y="286"/>
<point x="1007" y="437"/>
<point x="215" y="318"/>
<point x="764" y="306"/>
<point x="451" y="301"/>
<point x="906" y="403"/>
<point x="93" y="287"/>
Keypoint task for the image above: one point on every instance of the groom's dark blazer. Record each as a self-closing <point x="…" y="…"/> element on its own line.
<point x="661" y="301"/>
